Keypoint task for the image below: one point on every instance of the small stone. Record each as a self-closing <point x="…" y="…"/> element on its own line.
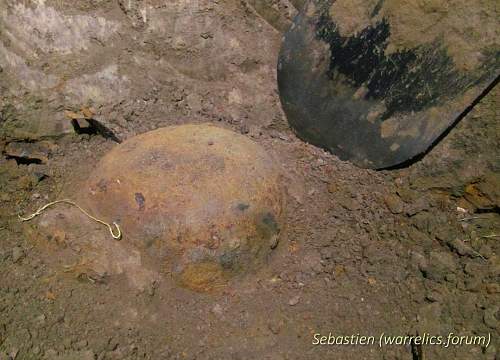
<point x="13" y="354"/>
<point x="474" y="269"/>
<point x="274" y="327"/>
<point x="461" y="248"/>
<point x="473" y="283"/>
<point x="273" y="242"/>
<point x="407" y="195"/>
<point x="348" y="203"/>
<point x="312" y="261"/>
<point x="493" y="288"/>
<point x="419" y="262"/>
<point x="440" y="264"/>
<point x="490" y="317"/>
<point x="434" y="296"/>
<point x="80" y="345"/>
<point x="417" y="206"/>
<point x="17" y="254"/>
<point x="38" y="176"/>
<point x="112" y="344"/>
<point x="332" y="187"/>
<point x="152" y="288"/>
<point x="217" y="310"/>
<point x="394" y="203"/>
<point x="420" y="238"/>
<point x="294" y="300"/>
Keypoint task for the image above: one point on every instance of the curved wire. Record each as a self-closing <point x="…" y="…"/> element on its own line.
<point x="116" y="236"/>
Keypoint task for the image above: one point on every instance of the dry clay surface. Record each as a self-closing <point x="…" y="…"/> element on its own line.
<point x="365" y="252"/>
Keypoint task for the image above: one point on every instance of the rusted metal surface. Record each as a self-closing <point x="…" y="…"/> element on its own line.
<point x="203" y="202"/>
<point x="365" y="82"/>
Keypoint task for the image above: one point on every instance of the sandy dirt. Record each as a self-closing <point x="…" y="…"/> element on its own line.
<point x="398" y="252"/>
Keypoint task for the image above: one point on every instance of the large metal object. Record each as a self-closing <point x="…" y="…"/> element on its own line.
<point x="378" y="82"/>
<point x="202" y="201"/>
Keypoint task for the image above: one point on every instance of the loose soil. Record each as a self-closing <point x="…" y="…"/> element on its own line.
<point x="398" y="252"/>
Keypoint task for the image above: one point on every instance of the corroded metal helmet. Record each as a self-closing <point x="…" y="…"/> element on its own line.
<point x="203" y="202"/>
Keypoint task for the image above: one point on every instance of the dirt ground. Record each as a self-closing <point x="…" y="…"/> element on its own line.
<point x="401" y="252"/>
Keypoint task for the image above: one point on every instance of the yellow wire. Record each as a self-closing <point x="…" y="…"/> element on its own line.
<point x="116" y="236"/>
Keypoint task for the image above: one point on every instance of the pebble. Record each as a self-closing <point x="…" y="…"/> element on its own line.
<point x="332" y="187"/>
<point x="473" y="269"/>
<point x="294" y="300"/>
<point x="440" y="264"/>
<point x="394" y="203"/>
<point x="217" y="310"/>
<point x="461" y="248"/>
<point x="434" y="296"/>
<point x="13" y="354"/>
<point x="349" y="203"/>
<point x="80" y="345"/>
<point x="112" y="344"/>
<point x="274" y="327"/>
<point x="473" y="283"/>
<point x="312" y="261"/>
<point x="490" y="317"/>
<point x="493" y="288"/>
<point x="417" y="206"/>
<point x="419" y="261"/>
<point x="152" y="289"/>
